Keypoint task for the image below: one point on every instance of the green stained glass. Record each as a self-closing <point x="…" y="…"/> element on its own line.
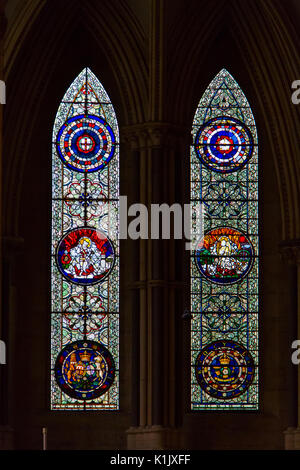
<point x="224" y="263"/>
<point x="85" y="250"/>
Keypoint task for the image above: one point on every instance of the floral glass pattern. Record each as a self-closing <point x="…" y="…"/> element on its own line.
<point x="224" y="263"/>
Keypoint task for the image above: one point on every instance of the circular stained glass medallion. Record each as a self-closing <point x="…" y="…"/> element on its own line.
<point x="84" y="370"/>
<point x="224" y="144"/>
<point x="85" y="256"/>
<point x="224" y="369"/>
<point x="224" y="255"/>
<point x="86" y="143"/>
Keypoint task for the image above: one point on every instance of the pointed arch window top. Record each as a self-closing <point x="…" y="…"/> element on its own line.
<point x="86" y="95"/>
<point x="224" y="97"/>
<point x="86" y="80"/>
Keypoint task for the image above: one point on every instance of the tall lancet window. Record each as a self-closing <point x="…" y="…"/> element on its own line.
<point x="85" y="250"/>
<point x="224" y="263"/>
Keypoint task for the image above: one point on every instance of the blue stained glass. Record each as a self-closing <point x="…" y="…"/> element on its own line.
<point x="224" y="144"/>
<point x="224" y="369"/>
<point x="85" y="256"/>
<point x="85" y="250"/>
<point x="84" y="370"/>
<point x="86" y="143"/>
<point x="224" y="264"/>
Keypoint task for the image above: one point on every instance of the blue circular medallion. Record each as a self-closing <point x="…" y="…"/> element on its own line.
<point x="224" y="369"/>
<point x="84" y="370"/>
<point x="86" y="143"/>
<point x="224" y="144"/>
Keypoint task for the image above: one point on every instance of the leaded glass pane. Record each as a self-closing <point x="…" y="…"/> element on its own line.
<point x="85" y="250"/>
<point x="224" y="263"/>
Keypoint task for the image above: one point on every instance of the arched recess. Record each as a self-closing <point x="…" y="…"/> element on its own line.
<point x="212" y="44"/>
<point x="252" y="32"/>
<point x="123" y="66"/>
<point x="112" y="52"/>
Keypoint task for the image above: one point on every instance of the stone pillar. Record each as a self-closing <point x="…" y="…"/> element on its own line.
<point x="291" y="253"/>
<point x="5" y="429"/>
<point x="155" y="424"/>
<point x="160" y="149"/>
<point x="2" y="32"/>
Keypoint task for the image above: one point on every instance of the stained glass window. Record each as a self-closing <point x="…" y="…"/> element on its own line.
<point x="85" y="250"/>
<point x="224" y="263"/>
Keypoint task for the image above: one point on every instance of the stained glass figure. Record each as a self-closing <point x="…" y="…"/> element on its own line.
<point x="85" y="256"/>
<point x="224" y="256"/>
<point x="85" y="250"/>
<point x="224" y="263"/>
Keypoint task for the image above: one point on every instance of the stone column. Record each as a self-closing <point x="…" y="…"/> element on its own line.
<point x="5" y="430"/>
<point x="159" y="146"/>
<point x="291" y="253"/>
<point x="2" y="32"/>
<point x="155" y="424"/>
